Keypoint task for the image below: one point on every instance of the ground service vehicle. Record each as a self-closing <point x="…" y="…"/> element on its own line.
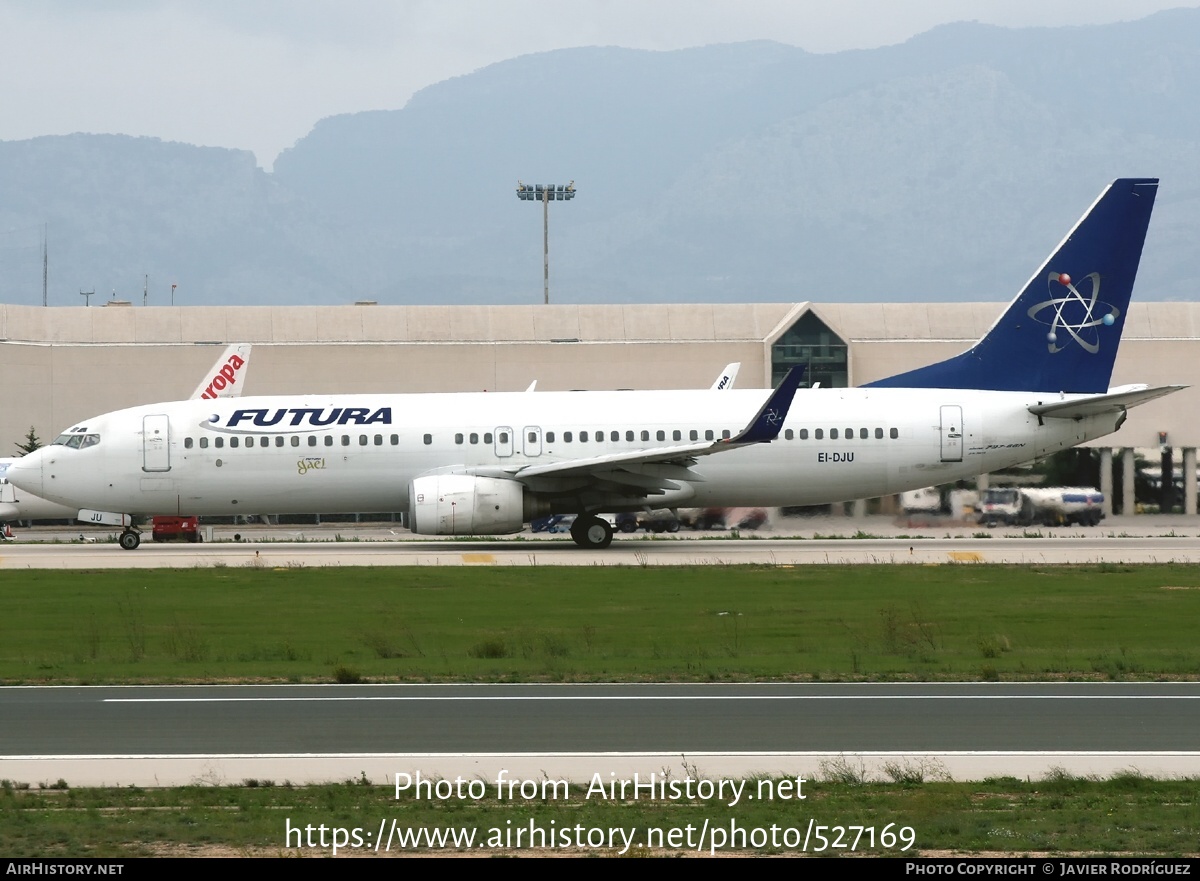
<point x="1048" y="506"/>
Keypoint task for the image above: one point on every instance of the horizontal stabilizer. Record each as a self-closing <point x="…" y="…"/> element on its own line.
<point x="1098" y="404"/>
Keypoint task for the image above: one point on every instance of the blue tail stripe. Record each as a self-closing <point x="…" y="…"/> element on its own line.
<point x="1061" y="332"/>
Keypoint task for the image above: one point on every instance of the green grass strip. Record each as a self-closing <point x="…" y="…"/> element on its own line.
<point x="1061" y="815"/>
<point x="468" y="624"/>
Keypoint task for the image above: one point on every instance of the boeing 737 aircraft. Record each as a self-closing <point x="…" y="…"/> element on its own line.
<point x="471" y="464"/>
<point x="225" y="380"/>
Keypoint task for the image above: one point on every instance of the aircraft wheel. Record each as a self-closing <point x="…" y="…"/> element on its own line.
<point x="672" y="526"/>
<point x="129" y="540"/>
<point x="593" y="533"/>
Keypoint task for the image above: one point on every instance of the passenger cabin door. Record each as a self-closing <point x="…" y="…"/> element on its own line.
<point x="504" y="441"/>
<point x="952" y="433"/>
<point x="533" y="440"/>
<point x="156" y="443"/>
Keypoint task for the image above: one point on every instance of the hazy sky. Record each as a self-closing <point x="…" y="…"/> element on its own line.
<point x="257" y="74"/>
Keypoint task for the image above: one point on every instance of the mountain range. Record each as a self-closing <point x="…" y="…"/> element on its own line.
<point x="943" y="168"/>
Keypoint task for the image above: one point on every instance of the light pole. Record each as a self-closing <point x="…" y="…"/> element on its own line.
<point x="545" y="194"/>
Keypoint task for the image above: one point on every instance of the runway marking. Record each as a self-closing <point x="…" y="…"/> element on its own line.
<point x="665" y="697"/>
<point x="479" y="558"/>
<point x="966" y="557"/>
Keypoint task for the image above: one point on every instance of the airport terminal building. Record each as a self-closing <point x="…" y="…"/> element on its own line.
<point x="63" y="364"/>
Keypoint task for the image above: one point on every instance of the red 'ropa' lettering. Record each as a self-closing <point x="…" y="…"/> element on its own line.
<point x="227" y="375"/>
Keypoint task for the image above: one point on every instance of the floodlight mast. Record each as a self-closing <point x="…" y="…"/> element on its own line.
<point x="544" y="193"/>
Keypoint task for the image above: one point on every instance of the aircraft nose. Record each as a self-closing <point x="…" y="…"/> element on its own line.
<point x="26" y="473"/>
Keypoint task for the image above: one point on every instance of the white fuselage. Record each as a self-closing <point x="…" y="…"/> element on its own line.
<point x="360" y="453"/>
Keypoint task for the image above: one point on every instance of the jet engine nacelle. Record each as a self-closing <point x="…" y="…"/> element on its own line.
<point x="459" y="504"/>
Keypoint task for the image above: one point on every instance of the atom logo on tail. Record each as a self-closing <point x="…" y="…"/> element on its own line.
<point x="1075" y="313"/>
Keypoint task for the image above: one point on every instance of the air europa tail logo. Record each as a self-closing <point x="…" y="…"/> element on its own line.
<point x="224" y="377"/>
<point x="260" y="420"/>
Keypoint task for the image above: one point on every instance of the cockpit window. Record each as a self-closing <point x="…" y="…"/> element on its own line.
<point x="77" y="441"/>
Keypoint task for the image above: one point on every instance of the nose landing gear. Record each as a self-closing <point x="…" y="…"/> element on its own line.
<point x="130" y="539"/>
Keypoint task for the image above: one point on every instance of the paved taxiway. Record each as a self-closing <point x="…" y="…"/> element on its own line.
<point x="1092" y="548"/>
<point x="161" y="735"/>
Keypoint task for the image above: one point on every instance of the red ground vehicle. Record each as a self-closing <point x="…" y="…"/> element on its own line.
<point x="172" y="528"/>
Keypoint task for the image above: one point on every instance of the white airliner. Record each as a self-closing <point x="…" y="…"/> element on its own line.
<point x="471" y="464"/>
<point x="225" y="380"/>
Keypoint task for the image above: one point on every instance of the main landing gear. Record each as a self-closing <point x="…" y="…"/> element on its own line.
<point x="130" y="539"/>
<point x="592" y="532"/>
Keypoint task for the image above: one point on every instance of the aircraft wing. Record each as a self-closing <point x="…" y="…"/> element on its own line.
<point x="1116" y="402"/>
<point x="655" y="468"/>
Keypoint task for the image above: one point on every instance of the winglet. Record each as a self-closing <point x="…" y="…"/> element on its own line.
<point x="768" y="422"/>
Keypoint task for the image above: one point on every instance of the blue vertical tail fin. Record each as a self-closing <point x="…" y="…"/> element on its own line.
<point x="1061" y="332"/>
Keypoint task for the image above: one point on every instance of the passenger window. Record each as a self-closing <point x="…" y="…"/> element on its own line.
<point x="312" y="440"/>
<point x="487" y="437"/>
<point x="474" y="437"/>
<point x="428" y="439"/>
<point x="345" y="440"/>
<point x="279" y="441"/>
<point x="879" y="434"/>
<point x="645" y="435"/>
<point x="819" y="434"/>
<point x="725" y="433"/>
<point x="504" y="437"/>
<point x="677" y="435"/>
<point x="614" y="436"/>
<point x="566" y="437"/>
<point x="533" y="437"/>
<point x="583" y="437"/>
<point x="249" y="442"/>
<point x="863" y="433"/>
<point x="219" y="442"/>
<point x="661" y="435"/>
<point x="629" y="436"/>
<point x="329" y="440"/>
<point x="233" y="442"/>
<point x="458" y="438"/>
<point x="788" y="435"/>
<point x="362" y="440"/>
<point x="187" y="443"/>
<point x="804" y="434"/>
<point x="708" y="434"/>
<point x="849" y="434"/>
<point x="204" y="443"/>
<point x="894" y="433"/>
<point x="379" y="440"/>
<point x="395" y="439"/>
<point x="694" y="435"/>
